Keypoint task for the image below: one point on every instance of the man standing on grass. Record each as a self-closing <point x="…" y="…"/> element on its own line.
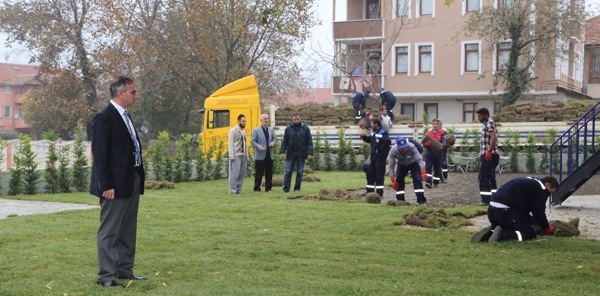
<point x="263" y="141"/>
<point x="488" y="155"/>
<point x="380" y="146"/>
<point x="513" y="209"/>
<point x="296" y="147"/>
<point x="239" y="158"/>
<point x="118" y="180"/>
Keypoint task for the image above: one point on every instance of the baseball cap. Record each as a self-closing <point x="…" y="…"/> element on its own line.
<point x="402" y="142"/>
<point x="381" y="89"/>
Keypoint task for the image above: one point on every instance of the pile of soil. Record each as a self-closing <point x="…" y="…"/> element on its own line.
<point x="538" y="112"/>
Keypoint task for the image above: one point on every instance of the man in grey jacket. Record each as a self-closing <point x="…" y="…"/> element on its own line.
<point x="239" y="158"/>
<point x="409" y="159"/>
<point x="263" y="142"/>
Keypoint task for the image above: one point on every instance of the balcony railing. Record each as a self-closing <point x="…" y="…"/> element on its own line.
<point x="358" y="29"/>
<point x="348" y="87"/>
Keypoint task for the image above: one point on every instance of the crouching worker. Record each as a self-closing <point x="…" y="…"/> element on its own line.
<point x="409" y="159"/>
<point x="510" y="208"/>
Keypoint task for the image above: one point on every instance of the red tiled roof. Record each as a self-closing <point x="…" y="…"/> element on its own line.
<point x="307" y="95"/>
<point x="15" y="74"/>
<point x="592" y="31"/>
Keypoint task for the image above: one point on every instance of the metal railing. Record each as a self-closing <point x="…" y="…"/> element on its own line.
<point x="576" y="144"/>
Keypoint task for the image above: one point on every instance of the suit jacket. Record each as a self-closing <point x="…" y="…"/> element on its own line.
<point x="258" y="140"/>
<point x="113" y="153"/>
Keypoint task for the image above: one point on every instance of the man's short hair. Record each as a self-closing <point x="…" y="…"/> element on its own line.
<point x="376" y="121"/>
<point x="119" y="84"/>
<point x="296" y="114"/>
<point x="436" y="120"/>
<point x="483" y="111"/>
<point x="240" y="117"/>
<point x="552" y="181"/>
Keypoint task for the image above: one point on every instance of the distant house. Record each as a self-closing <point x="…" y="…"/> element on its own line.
<point x="592" y="58"/>
<point x="15" y="81"/>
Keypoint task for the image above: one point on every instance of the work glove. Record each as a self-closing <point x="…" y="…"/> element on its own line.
<point x="380" y="107"/>
<point x="361" y="135"/>
<point x="488" y="155"/>
<point x="424" y="176"/>
<point x="395" y="186"/>
<point x="426" y="144"/>
<point x="549" y="230"/>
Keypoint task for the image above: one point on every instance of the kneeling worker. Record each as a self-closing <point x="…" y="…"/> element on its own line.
<point x="510" y="208"/>
<point x="409" y="159"/>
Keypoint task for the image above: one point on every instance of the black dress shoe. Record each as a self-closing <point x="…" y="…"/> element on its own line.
<point x="110" y="284"/>
<point x="132" y="278"/>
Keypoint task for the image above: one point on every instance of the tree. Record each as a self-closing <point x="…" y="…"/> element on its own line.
<point x="187" y="49"/>
<point x="534" y="30"/>
<point x="50" y="173"/>
<point x="60" y="34"/>
<point x="58" y="106"/>
<point x="80" y="164"/>
<point x="26" y="166"/>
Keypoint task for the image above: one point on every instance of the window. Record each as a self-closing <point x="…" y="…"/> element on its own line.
<point x="7" y="113"/>
<point x="21" y="113"/>
<point x="426" y="7"/>
<point x="403" y="8"/>
<point x="497" y="107"/>
<point x="502" y="55"/>
<point x="571" y="58"/>
<point x="425" y="59"/>
<point x="374" y="62"/>
<point x="471" y="57"/>
<point x="473" y="5"/>
<point x="372" y="9"/>
<point x="469" y="112"/>
<point x="431" y="109"/>
<point x="408" y="109"/>
<point x="402" y="60"/>
<point x="220" y="118"/>
<point x="503" y="3"/>
<point x="594" y="75"/>
<point x="7" y="90"/>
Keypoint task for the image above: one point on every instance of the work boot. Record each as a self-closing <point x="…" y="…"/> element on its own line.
<point x="482" y="236"/>
<point x="496" y="236"/>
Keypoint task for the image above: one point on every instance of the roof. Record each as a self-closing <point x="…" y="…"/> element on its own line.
<point x="18" y="75"/>
<point x="592" y="31"/>
<point x="321" y="96"/>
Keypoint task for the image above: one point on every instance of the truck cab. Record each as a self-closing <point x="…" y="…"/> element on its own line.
<point x="222" y="108"/>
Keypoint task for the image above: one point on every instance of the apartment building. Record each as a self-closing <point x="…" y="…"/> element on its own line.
<point x="415" y="49"/>
<point x="15" y="81"/>
<point x="592" y="58"/>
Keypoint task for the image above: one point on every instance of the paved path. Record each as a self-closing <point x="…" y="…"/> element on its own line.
<point x="11" y="207"/>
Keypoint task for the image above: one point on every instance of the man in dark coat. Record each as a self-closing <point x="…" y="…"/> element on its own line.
<point x="118" y="180"/>
<point x="296" y="147"/>
<point x="380" y="147"/>
<point x="515" y="207"/>
<point x="359" y="102"/>
<point x="388" y="100"/>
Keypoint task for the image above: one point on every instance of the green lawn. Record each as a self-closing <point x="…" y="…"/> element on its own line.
<point x="199" y="240"/>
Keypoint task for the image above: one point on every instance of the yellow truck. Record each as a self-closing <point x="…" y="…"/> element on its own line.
<point x="222" y="108"/>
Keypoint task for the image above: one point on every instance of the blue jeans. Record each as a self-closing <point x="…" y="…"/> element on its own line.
<point x="294" y="159"/>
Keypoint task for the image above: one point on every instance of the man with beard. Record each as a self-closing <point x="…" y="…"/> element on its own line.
<point x="238" y="155"/>
<point x="296" y="147"/>
<point x="489" y="156"/>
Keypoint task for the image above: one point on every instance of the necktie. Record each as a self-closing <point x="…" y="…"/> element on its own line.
<point x="138" y="159"/>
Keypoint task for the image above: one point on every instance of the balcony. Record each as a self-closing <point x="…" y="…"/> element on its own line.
<point x="345" y="88"/>
<point x="370" y="29"/>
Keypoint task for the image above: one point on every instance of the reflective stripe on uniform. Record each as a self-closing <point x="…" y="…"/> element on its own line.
<point x="399" y="192"/>
<point x="485" y="193"/>
<point x="419" y="190"/>
<point x="519" y="236"/>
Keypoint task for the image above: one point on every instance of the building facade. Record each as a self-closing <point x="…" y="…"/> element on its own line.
<point x="15" y="81"/>
<point x="416" y="50"/>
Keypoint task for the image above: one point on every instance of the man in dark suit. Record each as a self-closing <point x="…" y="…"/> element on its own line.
<point x="263" y="141"/>
<point x="118" y="180"/>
